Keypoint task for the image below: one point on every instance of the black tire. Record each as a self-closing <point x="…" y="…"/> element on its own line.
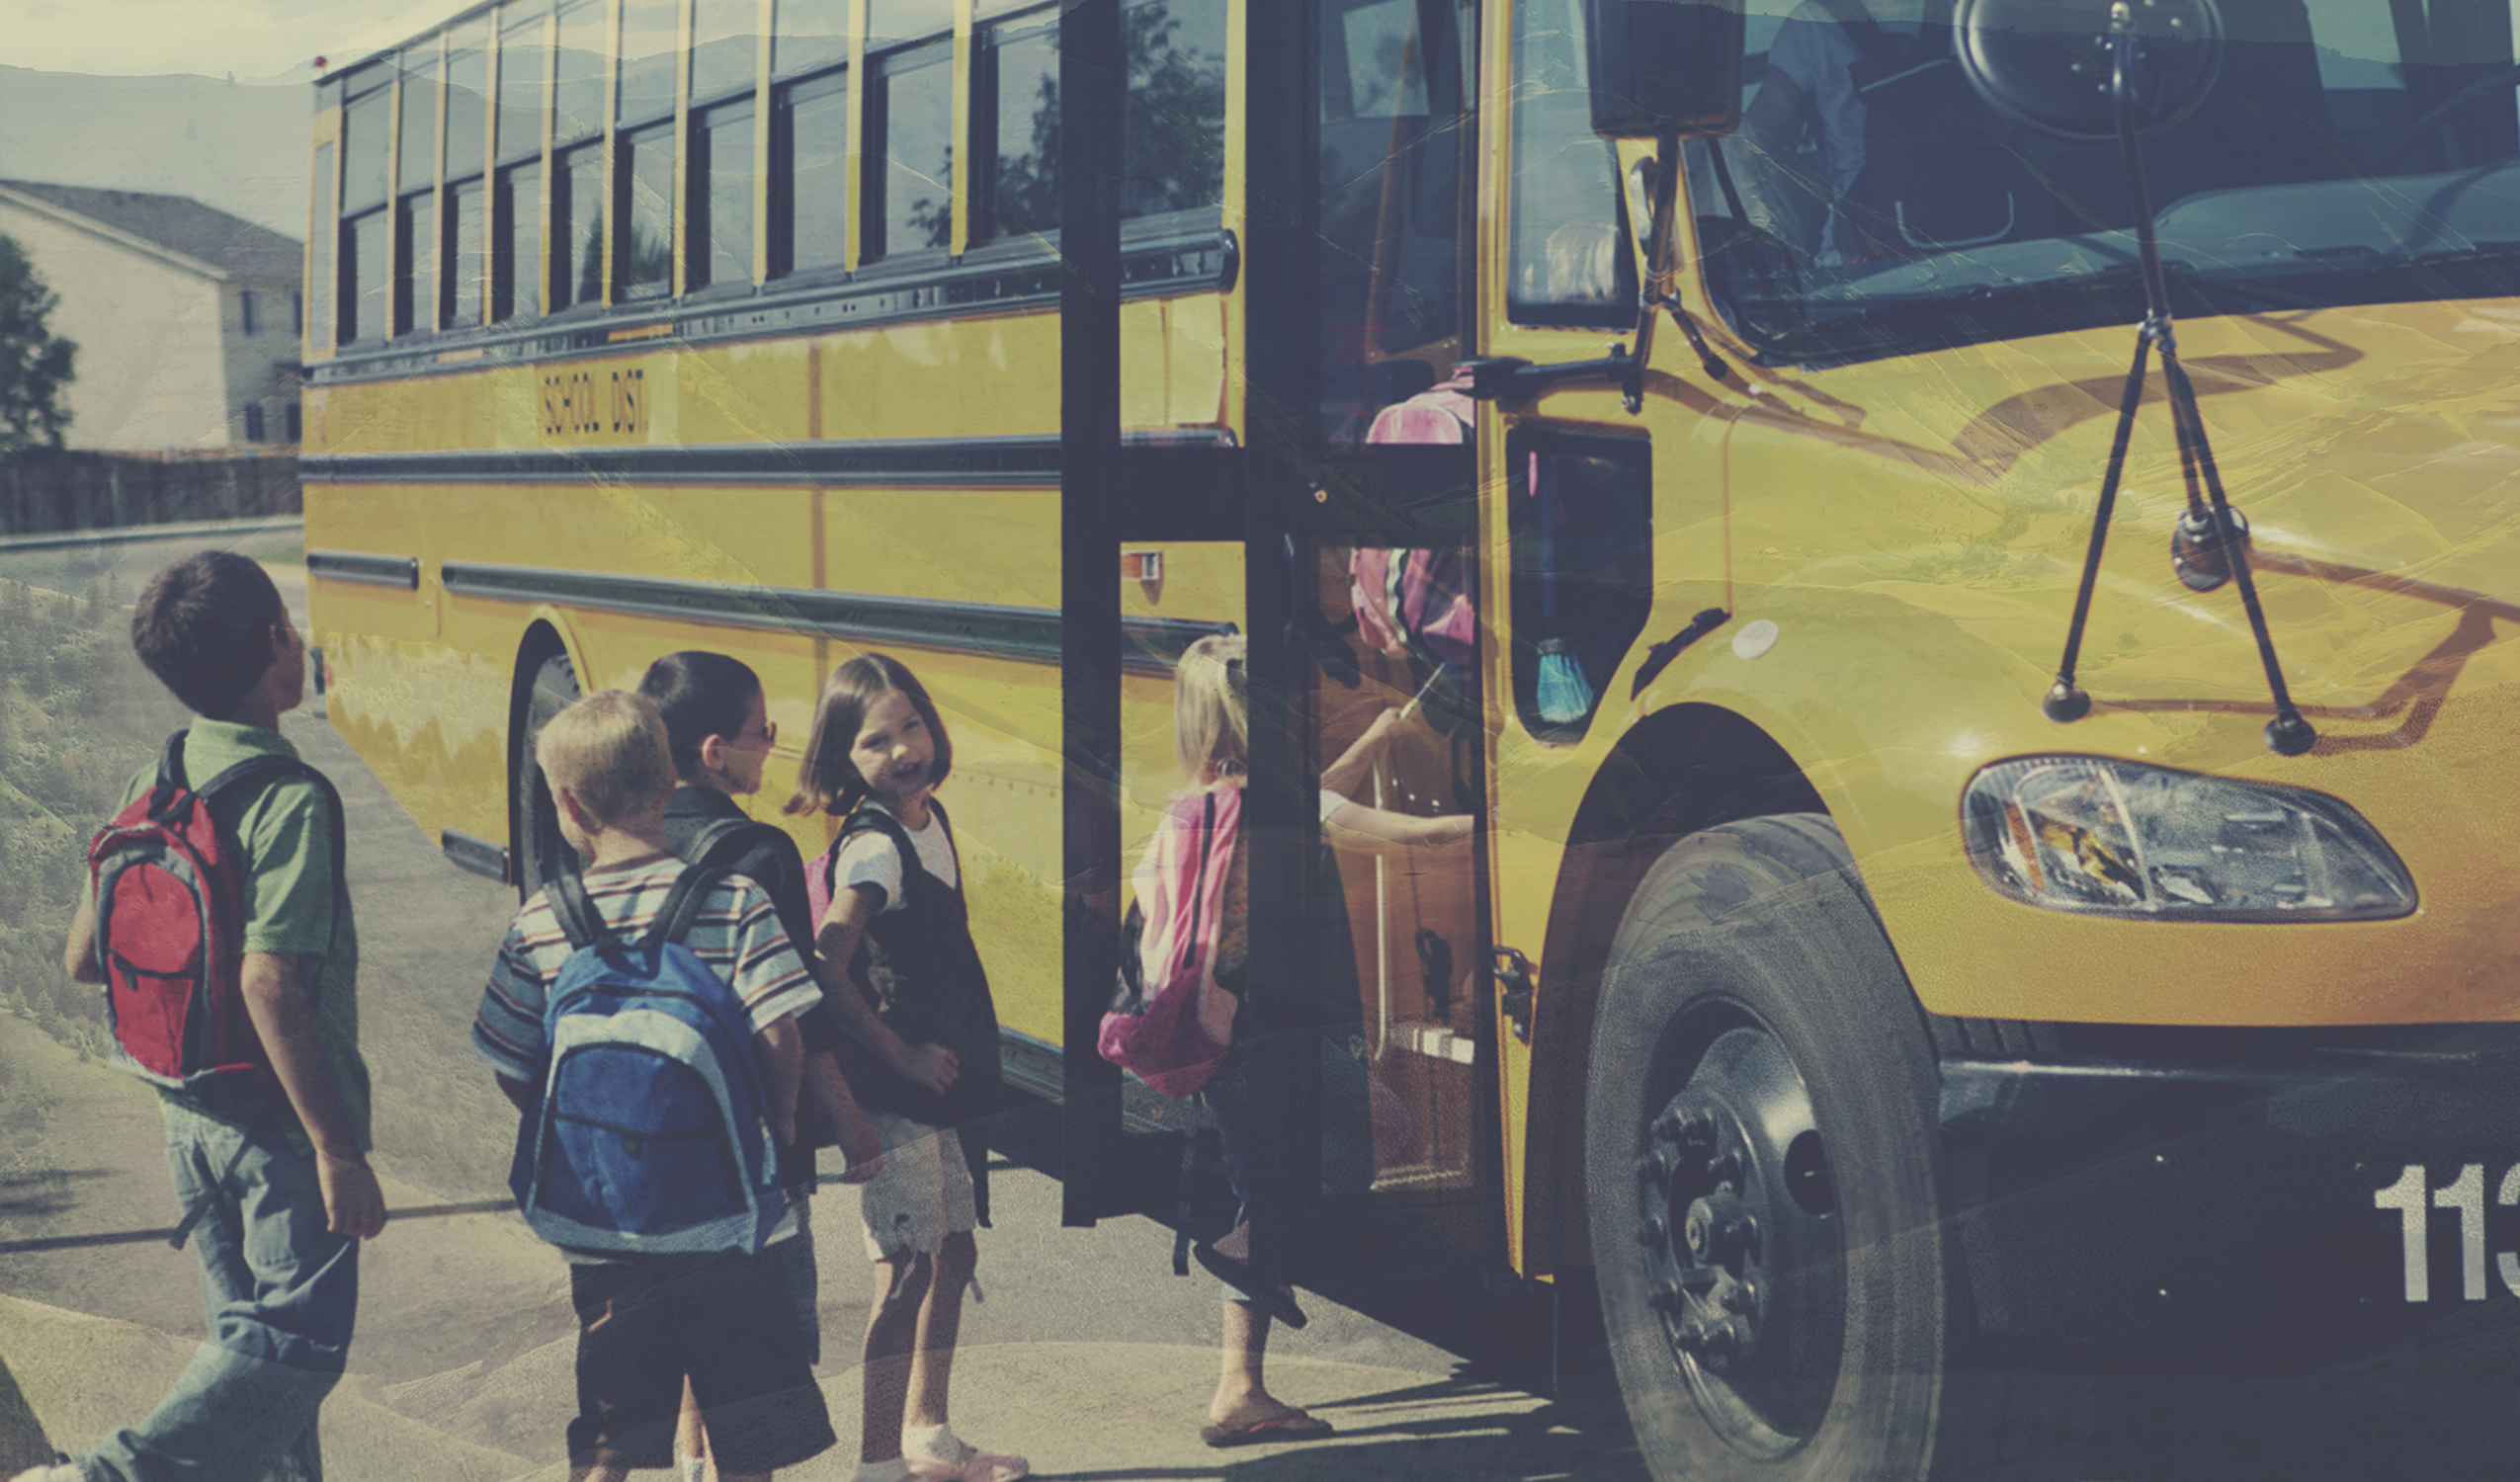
<point x="1782" y="1299"/>
<point x="541" y="852"/>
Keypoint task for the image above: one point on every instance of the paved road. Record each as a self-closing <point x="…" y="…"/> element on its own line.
<point x="1086" y="1353"/>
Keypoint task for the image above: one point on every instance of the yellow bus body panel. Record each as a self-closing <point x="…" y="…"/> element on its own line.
<point x="1914" y="529"/>
<point x="421" y="681"/>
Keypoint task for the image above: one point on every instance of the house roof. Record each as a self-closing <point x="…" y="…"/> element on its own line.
<point x="180" y="224"/>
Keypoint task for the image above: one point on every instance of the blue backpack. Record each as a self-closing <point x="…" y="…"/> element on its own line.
<point x="650" y="1135"/>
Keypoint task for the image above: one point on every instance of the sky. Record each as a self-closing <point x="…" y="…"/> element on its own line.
<point x="258" y="40"/>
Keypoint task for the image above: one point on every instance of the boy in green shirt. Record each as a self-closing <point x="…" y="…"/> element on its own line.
<point x="288" y="1196"/>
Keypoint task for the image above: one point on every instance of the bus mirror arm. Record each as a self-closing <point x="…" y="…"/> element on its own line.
<point x="1507" y="378"/>
<point x="1659" y="250"/>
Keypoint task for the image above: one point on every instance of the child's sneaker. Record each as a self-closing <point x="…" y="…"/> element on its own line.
<point x="964" y="1463"/>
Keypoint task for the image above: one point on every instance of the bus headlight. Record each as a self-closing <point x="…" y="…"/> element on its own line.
<point x="2112" y="838"/>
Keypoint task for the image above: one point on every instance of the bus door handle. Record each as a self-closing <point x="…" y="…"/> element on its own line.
<point x="1512" y="973"/>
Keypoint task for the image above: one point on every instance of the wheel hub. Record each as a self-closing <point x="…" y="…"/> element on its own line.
<point x="1736" y="1217"/>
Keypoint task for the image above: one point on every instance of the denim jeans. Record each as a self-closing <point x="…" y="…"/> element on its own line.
<point x="279" y="1292"/>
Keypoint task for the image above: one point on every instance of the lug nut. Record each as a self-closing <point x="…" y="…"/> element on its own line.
<point x="1656" y="1167"/>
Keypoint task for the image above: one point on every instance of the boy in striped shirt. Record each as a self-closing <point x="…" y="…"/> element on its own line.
<point x="725" y="1321"/>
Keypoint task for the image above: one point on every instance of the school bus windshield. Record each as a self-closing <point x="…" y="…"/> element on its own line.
<point x="1870" y="205"/>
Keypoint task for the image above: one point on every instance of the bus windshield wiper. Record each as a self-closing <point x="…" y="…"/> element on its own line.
<point x="2010" y="294"/>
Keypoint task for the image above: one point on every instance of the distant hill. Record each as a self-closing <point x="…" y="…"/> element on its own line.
<point x="238" y="146"/>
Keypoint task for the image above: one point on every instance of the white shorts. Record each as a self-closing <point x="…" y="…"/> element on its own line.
<point x="923" y="1193"/>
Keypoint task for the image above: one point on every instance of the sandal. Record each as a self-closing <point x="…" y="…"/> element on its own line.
<point x="1294" y="1425"/>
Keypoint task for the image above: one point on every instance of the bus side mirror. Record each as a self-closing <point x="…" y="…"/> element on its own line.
<point x="1664" y="66"/>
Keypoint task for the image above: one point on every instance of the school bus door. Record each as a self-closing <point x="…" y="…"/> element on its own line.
<point x="1389" y="560"/>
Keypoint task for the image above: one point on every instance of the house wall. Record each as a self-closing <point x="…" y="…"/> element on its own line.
<point x="262" y="367"/>
<point x="151" y="371"/>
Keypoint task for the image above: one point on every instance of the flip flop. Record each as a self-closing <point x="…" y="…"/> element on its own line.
<point x="1294" y="1425"/>
<point x="1270" y="1297"/>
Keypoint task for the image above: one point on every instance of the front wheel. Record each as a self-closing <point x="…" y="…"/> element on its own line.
<point x="1760" y="1143"/>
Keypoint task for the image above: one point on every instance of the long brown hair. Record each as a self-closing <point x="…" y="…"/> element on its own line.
<point x="827" y="782"/>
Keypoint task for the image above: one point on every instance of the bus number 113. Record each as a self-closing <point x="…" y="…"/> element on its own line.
<point x="2414" y="1199"/>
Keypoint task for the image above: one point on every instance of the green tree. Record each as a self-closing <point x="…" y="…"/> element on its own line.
<point x="34" y="362"/>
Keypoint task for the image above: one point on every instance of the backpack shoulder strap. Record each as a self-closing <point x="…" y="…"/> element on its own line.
<point x="170" y="777"/>
<point x="271" y="766"/>
<point x="682" y="905"/>
<point x="575" y="912"/>
<point x="726" y="840"/>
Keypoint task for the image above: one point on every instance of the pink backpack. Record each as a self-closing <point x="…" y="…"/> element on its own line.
<point x="1169" y="1022"/>
<point x="1412" y="601"/>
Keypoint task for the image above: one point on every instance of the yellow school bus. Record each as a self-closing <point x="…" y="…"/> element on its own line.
<point x="1985" y="865"/>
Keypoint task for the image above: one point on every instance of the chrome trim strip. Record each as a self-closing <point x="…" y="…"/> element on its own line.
<point x="1024" y="634"/>
<point x="1026" y="461"/>
<point x="362" y="566"/>
<point x="955" y="461"/>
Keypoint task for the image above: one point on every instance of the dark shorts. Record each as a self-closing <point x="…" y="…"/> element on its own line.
<point x="730" y="1322"/>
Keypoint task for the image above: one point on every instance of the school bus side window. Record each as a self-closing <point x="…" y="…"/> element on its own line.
<point x="1173" y="150"/>
<point x="578" y="110"/>
<point x="416" y="184"/>
<point x="577" y="226"/>
<point x="367" y="148"/>
<point x="459" y="292"/>
<point x="516" y="191"/>
<point x="578" y="74"/>
<point x="910" y="115"/>
<point x="720" y="212"/>
<point x="720" y="164"/>
<point x="1019" y="87"/>
<point x="810" y="175"/>
<point x="722" y="37"/>
<point x="643" y="258"/>
<point x="515" y="209"/>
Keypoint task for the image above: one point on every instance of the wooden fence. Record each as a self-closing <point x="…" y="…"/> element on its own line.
<point x="46" y="491"/>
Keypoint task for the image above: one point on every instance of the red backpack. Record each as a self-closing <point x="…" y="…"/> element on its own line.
<point x="170" y="917"/>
